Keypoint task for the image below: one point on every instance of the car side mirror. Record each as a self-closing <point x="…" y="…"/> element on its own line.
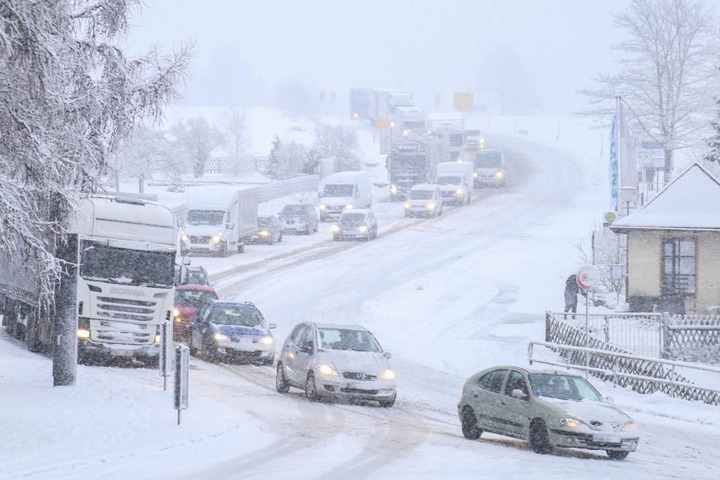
<point x="387" y="355"/>
<point x="230" y="226"/>
<point x="517" y="393"/>
<point x="272" y="326"/>
<point x="306" y="348"/>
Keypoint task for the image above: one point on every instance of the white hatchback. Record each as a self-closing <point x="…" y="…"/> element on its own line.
<point x="336" y="361"/>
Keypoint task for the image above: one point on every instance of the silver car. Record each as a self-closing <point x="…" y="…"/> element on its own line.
<point x="336" y="361"/>
<point x="357" y="224"/>
<point x="547" y="408"/>
<point x="299" y="218"/>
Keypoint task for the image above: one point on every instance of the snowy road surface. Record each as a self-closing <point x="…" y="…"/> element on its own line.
<point x="446" y="296"/>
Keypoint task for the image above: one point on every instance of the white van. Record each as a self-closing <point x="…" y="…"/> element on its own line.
<point x="343" y="191"/>
<point x="455" y="180"/>
<point x="489" y="168"/>
<point x="424" y="200"/>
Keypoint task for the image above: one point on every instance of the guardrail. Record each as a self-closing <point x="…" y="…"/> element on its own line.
<point x="642" y="374"/>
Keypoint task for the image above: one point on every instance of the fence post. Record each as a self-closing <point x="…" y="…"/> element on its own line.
<point x="606" y="329"/>
<point x="548" y="316"/>
<point x="665" y="341"/>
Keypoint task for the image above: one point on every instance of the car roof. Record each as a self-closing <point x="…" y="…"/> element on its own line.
<point x="225" y="303"/>
<point x="194" y="286"/>
<point x="356" y="210"/>
<point x="340" y="326"/>
<point x="532" y="370"/>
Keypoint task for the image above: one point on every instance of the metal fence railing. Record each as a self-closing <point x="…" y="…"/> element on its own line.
<point x="642" y="374"/>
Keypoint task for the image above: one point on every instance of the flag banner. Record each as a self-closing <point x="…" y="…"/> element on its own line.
<point x="613" y="166"/>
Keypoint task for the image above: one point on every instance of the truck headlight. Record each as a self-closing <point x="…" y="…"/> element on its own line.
<point x="217" y="238"/>
<point x="83" y="333"/>
<point x="220" y="337"/>
<point x="349" y="206"/>
<point x="336" y="228"/>
<point x="430" y="206"/>
<point x="459" y="191"/>
<point x="393" y="190"/>
<point x="176" y="312"/>
<point x="322" y="206"/>
<point x="475" y="175"/>
<point x="184" y="237"/>
<point x="499" y="174"/>
<point x="407" y="206"/>
<point x="388" y="375"/>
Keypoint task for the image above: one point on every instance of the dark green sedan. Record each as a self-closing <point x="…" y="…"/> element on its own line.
<point x="550" y="409"/>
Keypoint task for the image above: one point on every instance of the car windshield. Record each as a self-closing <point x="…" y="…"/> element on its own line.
<point x="293" y="210"/>
<point x="565" y="387"/>
<point x="338" y="190"/>
<point x="264" y="221"/>
<point x="346" y="339"/>
<point x="450" y="180"/>
<point x="193" y="298"/>
<point x="420" y="194"/>
<point x="205" y="217"/>
<point x="241" y="316"/>
<point x="488" y="159"/>
<point x="352" y="218"/>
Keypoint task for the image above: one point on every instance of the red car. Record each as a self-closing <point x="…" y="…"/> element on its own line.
<point x="187" y="299"/>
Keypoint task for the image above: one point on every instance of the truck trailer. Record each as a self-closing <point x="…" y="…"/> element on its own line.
<point x="121" y="287"/>
<point x="219" y="222"/>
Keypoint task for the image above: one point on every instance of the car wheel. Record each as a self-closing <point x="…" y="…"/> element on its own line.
<point x="617" y="454"/>
<point x="387" y="403"/>
<point x="209" y="350"/>
<point x="241" y="247"/>
<point x="280" y="238"/>
<point x="311" y="388"/>
<point x="193" y="351"/>
<point x="469" y="426"/>
<point x="281" y="383"/>
<point x="539" y="438"/>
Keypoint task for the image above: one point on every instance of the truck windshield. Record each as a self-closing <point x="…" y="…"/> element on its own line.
<point x="205" y="217"/>
<point x="338" y="190"/>
<point x="454" y="180"/>
<point x="409" y="162"/>
<point x="456" y="139"/>
<point x="131" y="267"/>
<point x="488" y="159"/>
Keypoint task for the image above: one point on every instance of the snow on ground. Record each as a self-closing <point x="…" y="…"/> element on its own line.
<point x="446" y="296"/>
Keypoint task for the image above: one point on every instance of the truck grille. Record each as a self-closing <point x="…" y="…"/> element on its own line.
<point x="122" y="332"/>
<point x="125" y="321"/>
<point x="124" y="309"/>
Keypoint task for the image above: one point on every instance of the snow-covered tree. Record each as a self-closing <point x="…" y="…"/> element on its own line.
<point x="339" y="142"/>
<point x="235" y="134"/>
<point x="286" y="160"/>
<point x="197" y="138"/>
<point x="68" y="95"/>
<point x="667" y="79"/>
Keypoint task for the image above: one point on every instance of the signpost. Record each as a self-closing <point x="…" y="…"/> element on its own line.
<point x="182" y="368"/>
<point x="587" y="278"/>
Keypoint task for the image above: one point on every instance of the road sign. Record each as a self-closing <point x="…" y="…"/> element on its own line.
<point x="588" y="277"/>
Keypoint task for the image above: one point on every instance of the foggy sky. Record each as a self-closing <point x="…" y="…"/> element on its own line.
<point x="521" y="56"/>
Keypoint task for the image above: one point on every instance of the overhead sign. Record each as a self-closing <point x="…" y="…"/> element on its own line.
<point x="588" y="277"/>
<point x="463" y="102"/>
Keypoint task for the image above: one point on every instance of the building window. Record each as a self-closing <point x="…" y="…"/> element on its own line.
<point x="678" y="266"/>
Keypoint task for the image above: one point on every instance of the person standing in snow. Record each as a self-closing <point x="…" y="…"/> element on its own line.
<point x="571" y="292"/>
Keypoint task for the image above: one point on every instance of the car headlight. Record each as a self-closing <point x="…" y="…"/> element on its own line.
<point x="176" y="312"/>
<point x="388" y="375"/>
<point x="220" y="337"/>
<point x="430" y="206"/>
<point x="393" y="189"/>
<point x="407" y="206"/>
<point x="459" y="191"/>
<point x="326" y="369"/>
<point x="362" y="228"/>
<point x="322" y="206"/>
<point x="349" y="206"/>
<point x="571" y="422"/>
<point x="267" y="340"/>
<point x="631" y="426"/>
<point x="499" y="174"/>
<point x="475" y="175"/>
<point x="336" y="228"/>
<point x="264" y="233"/>
<point x="184" y="237"/>
<point x="217" y="238"/>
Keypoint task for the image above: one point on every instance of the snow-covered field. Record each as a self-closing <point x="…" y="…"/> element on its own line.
<point x="447" y="296"/>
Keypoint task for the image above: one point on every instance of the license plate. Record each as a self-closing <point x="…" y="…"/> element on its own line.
<point x="606" y="439"/>
<point x="350" y="385"/>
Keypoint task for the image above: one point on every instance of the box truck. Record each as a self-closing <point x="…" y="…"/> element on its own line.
<point x="343" y="191"/>
<point x="218" y="221"/>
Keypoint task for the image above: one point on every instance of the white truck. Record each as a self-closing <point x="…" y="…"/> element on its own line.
<point x="343" y="191"/>
<point x="123" y="289"/>
<point x="218" y="221"/>
<point x="455" y="180"/>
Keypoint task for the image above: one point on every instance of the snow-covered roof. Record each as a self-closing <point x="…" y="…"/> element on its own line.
<point x="690" y="202"/>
